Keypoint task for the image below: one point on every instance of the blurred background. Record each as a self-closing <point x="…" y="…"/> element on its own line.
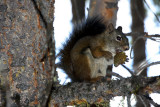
<point x="134" y="16"/>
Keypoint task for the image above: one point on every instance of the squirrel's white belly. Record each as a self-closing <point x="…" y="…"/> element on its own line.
<point x="98" y="66"/>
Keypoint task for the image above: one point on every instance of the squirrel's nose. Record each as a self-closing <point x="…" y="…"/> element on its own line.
<point x="126" y="48"/>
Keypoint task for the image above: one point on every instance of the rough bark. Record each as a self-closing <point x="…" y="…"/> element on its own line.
<point x="104" y="90"/>
<point x="25" y="31"/>
<point x="138" y="15"/>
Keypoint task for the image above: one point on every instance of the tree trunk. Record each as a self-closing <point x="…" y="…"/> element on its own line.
<point x="78" y="10"/>
<point x="106" y="8"/>
<point x="138" y="15"/>
<point x="26" y="29"/>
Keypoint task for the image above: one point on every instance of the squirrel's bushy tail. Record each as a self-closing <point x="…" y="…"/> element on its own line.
<point x="89" y="27"/>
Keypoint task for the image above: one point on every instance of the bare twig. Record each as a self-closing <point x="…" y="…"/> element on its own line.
<point x="152" y="39"/>
<point x="115" y="74"/>
<point x="134" y="33"/>
<point x="155" y="35"/>
<point x="139" y="69"/>
<point x="128" y="100"/>
<point x="145" y="34"/>
<point x="140" y="97"/>
<point x="130" y="71"/>
<point x="152" y="11"/>
<point x="151" y="64"/>
<point x="150" y="100"/>
<point x="58" y="55"/>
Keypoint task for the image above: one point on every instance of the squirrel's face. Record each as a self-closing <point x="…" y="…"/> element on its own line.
<point x="115" y="40"/>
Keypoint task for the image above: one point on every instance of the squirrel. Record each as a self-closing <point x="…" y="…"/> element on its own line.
<point x="90" y="49"/>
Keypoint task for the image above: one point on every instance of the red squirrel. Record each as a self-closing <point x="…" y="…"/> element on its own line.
<point x="90" y="49"/>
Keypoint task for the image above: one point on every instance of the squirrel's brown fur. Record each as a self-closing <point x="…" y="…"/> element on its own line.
<point x="90" y="48"/>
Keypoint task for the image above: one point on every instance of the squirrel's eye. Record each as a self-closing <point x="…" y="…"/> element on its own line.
<point x="119" y="38"/>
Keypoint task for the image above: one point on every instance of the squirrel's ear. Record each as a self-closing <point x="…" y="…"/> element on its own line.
<point x="110" y="27"/>
<point x="119" y="28"/>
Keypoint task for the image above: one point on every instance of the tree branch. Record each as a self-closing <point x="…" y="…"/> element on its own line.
<point x="151" y="100"/>
<point x="129" y="100"/>
<point x="115" y="74"/>
<point x="91" y="92"/>
<point x="145" y="34"/>
<point x="142" y="99"/>
<point x="130" y="71"/>
<point x="146" y="65"/>
<point x="152" y="11"/>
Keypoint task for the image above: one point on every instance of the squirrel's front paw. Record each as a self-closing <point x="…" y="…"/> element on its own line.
<point x="108" y="55"/>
